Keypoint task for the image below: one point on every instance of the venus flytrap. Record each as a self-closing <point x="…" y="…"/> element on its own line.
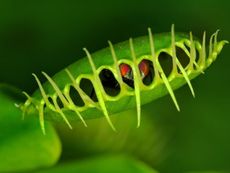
<point x="122" y="76"/>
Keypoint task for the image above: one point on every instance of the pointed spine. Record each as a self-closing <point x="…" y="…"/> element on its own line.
<point x="98" y="89"/>
<point x="192" y="53"/>
<point x="174" y="70"/>
<point x="184" y="73"/>
<point x="73" y="107"/>
<point x="82" y="94"/>
<point x="211" y="45"/>
<point x="203" y="51"/>
<point x="215" y="38"/>
<point x="61" y="96"/>
<point x="61" y="113"/>
<point x="151" y="43"/>
<point x="41" y="117"/>
<point x="27" y="103"/>
<point x="57" y="90"/>
<point x="43" y="93"/>
<point x="168" y="86"/>
<point x="114" y="56"/>
<point x="137" y="82"/>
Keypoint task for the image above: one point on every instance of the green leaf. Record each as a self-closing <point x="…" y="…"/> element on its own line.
<point x="208" y="172"/>
<point x="103" y="164"/>
<point x="22" y="145"/>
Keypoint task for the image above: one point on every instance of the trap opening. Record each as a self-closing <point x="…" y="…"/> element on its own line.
<point x="109" y="82"/>
<point x="51" y="101"/>
<point x="87" y="86"/>
<point x="127" y="74"/>
<point x="59" y="102"/>
<point x="166" y="63"/>
<point x="182" y="57"/>
<point x="147" y="71"/>
<point x="196" y="55"/>
<point x="75" y="97"/>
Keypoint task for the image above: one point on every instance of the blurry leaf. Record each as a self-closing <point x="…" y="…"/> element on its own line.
<point x="209" y="172"/>
<point x="103" y="164"/>
<point x="147" y="143"/>
<point x="22" y="144"/>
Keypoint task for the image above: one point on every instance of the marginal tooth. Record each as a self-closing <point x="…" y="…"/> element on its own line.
<point x="98" y="89"/>
<point x="40" y="110"/>
<point x="79" y="115"/>
<point x="211" y="46"/>
<point x="27" y="103"/>
<point x="203" y="51"/>
<point x="82" y="94"/>
<point x="115" y="62"/>
<point x="137" y="81"/>
<point x="27" y="95"/>
<point x="90" y="61"/>
<point x="73" y="107"/>
<point x="184" y="73"/>
<point x="43" y="93"/>
<point x="41" y="117"/>
<point x="215" y="39"/>
<point x="192" y="52"/>
<point x="216" y="51"/>
<point x="199" y="68"/>
<point x="57" y="90"/>
<point x="168" y="86"/>
<point x="29" y="99"/>
<point x="177" y="63"/>
<point x="151" y="42"/>
<point x="193" y="55"/>
<point x="16" y="105"/>
<point x="174" y="70"/>
<point x="61" y="113"/>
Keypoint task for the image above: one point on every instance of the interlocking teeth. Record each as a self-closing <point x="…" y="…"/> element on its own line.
<point x="215" y="37"/>
<point x="159" y="71"/>
<point x="114" y="56"/>
<point x="40" y="109"/>
<point x="137" y="82"/>
<point x="204" y="60"/>
<point x="203" y="51"/>
<point x="27" y="103"/>
<point x="214" y="48"/>
<point x="168" y="86"/>
<point x="43" y="93"/>
<point x="58" y="109"/>
<point x="178" y="64"/>
<point x="173" y="47"/>
<point x="82" y="94"/>
<point x="152" y="48"/>
<point x="211" y="45"/>
<point x="98" y="89"/>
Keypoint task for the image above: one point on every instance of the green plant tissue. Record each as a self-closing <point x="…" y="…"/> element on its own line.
<point x="22" y="145"/>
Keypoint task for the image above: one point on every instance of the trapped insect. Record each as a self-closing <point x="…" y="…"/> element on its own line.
<point x="122" y="76"/>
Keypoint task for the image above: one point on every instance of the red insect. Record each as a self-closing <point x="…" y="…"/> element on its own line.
<point x="126" y="70"/>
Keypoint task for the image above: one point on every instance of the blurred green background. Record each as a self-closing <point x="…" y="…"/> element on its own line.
<point x="49" y="35"/>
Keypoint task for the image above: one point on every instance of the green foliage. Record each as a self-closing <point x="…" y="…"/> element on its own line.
<point x="22" y="146"/>
<point x="54" y="101"/>
<point x="49" y="35"/>
<point x="103" y="164"/>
